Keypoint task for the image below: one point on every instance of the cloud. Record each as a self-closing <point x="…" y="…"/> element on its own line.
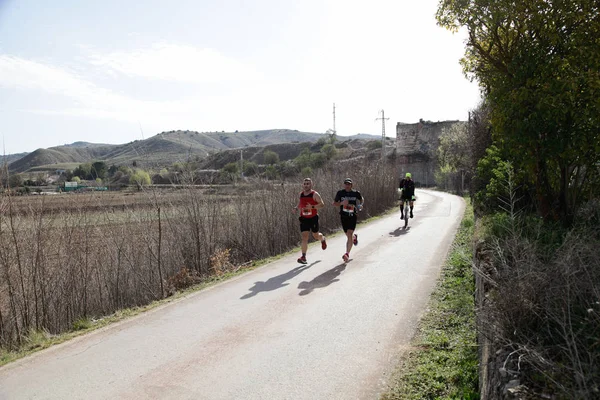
<point x="178" y="63"/>
<point x="89" y="99"/>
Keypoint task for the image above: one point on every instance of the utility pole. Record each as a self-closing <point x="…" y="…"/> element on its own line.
<point x="334" y="131"/>
<point x="383" y="118"/>
<point x="242" y="164"/>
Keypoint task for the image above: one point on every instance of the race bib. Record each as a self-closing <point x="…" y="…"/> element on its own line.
<point x="306" y="212"/>
<point x="349" y="208"/>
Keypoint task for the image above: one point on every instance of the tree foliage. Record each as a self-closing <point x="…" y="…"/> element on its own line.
<point x="329" y="150"/>
<point x="538" y="63"/>
<point x="270" y="157"/>
<point x="140" y="178"/>
<point x="454" y="155"/>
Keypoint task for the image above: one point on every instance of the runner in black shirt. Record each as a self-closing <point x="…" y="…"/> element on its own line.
<point x="407" y="185"/>
<point x="350" y="202"/>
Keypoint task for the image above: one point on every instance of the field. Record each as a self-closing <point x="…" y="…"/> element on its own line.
<point x="68" y="257"/>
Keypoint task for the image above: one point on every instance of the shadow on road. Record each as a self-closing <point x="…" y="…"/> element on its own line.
<point x="321" y="281"/>
<point x="400" y="231"/>
<point x="276" y="282"/>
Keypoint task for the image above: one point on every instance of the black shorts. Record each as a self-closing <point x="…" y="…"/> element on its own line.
<point x="348" y="223"/>
<point x="309" y="224"/>
<point x="407" y="198"/>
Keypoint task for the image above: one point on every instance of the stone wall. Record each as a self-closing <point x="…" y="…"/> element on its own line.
<point x="416" y="145"/>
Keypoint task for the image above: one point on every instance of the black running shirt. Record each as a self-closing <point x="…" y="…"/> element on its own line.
<point x="353" y="197"/>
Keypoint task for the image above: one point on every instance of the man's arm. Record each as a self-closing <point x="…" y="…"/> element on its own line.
<point x="295" y="209"/>
<point x="338" y="200"/>
<point x="319" y="201"/>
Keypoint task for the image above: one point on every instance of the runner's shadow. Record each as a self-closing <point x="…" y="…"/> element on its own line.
<point x="400" y="231"/>
<point x="321" y="281"/>
<point x="276" y="282"/>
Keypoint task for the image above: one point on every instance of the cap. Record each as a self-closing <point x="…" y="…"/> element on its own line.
<point x="408" y="175"/>
<point x="347" y="180"/>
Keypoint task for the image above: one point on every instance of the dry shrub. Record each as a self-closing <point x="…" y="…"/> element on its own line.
<point x="544" y="308"/>
<point x="182" y="279"/>
<point x="83" y="256"/>
<point x="219" y="262"/>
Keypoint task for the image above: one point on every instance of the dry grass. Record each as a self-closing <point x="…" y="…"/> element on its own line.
<point x="72" y="258"/>
<point x="544" y="305"/>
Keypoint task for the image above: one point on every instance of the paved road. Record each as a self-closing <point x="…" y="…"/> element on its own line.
<point x="327" y="330"/>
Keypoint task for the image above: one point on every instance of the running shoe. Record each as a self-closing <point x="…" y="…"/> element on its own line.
<point x="323" y="243"/>
<point x="302" y="260"/>
<point x="355" y="239"/>
<point x="346" y="257"/>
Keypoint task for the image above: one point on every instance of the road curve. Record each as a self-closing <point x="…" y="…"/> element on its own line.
<point x="327" y="330"/>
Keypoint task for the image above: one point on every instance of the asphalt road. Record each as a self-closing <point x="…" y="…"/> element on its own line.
<point x="326" y="330"/>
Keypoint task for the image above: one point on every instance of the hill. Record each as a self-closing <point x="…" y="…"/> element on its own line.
<point x="165" y="148"/>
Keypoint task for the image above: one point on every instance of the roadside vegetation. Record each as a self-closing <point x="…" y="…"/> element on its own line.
<point x="530" y="158"/>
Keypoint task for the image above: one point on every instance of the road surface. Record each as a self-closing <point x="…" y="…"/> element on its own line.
<point x="325" y="330"/>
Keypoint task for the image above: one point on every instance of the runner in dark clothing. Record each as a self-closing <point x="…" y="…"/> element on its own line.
<point x="350" y="202"/>
<point x="407" y="185"/>
<point x="308" y="204"/>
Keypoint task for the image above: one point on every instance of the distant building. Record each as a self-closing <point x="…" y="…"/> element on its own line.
<point x="416" y="146"/>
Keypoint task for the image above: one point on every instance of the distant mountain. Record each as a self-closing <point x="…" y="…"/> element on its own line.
<point x="160" y="150"/>
<point x="11" y="157"/>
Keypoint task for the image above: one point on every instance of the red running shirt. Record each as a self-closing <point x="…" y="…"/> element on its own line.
<point x="305" y="201"/>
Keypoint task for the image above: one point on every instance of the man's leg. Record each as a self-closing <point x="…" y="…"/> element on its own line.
<point x="412" y="205"/>
<point x="304" y="245"/>
<point x="350" y="240"/>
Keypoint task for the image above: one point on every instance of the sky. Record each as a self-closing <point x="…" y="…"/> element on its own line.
<point x="116" y="71"/>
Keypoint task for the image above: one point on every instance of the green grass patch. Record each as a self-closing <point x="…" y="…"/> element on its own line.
<point x="443" y="362"/>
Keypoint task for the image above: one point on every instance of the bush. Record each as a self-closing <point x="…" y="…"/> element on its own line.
<point x="270" y="157"/>
<point x="543" y="304"/>
<point x="374" y="144"/>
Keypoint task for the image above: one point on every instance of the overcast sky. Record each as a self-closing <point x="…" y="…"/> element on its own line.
<point x="115" y="71"/>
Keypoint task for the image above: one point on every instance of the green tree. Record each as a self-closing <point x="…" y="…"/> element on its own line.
<point x="98" y="170"/>
<point x="306" y="172"/>
<point x="453" y="154"/>
<point x="331" y="136"/>
<point x="83" y="171"/>
<point x="250" y="168"/>
<point x="112" y="170"/>
<point x="318" y="160"/>
<point x="232" y="168"/>
<point x="329" y="150"/>
<point x="271" y="172"/>
<point x="538" y="63"/>
<point x="304" y="159"/>
<point x="15" y="180"/>
<point x="374" y="144"/>
<point x="140" y="178"/>
<point x="270" y="157"/>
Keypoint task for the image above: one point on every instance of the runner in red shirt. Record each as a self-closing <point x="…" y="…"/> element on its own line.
<point x="309" y="204"/>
